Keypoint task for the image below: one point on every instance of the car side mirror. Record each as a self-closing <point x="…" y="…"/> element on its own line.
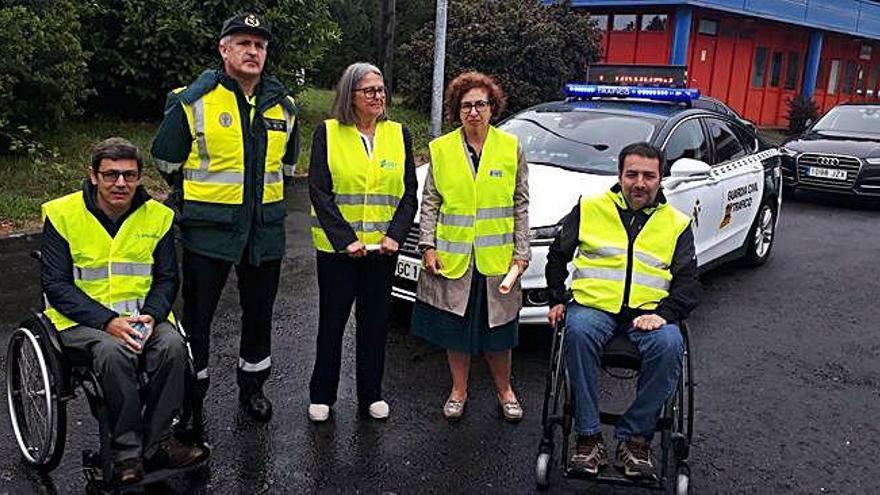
<point x="685" y="170"/>
<point x="688" y="167"/>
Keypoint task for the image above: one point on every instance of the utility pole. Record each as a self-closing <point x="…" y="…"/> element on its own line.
<point x="439" y="59"/>
<point x="387" y="26"/>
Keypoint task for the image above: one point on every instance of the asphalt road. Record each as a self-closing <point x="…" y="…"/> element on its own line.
<point x="786" y="357"/>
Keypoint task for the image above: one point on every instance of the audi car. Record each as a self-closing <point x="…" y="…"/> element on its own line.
<point x="839" y="153"/>
<point x="718" y="172"/>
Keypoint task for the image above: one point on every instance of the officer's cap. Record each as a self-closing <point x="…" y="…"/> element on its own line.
<point x="247" y="22"/>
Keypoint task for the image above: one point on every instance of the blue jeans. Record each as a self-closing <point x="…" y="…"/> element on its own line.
<point x="587" y="330"/>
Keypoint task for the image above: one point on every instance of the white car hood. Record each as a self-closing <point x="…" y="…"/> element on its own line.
<point x="553" y="191"/>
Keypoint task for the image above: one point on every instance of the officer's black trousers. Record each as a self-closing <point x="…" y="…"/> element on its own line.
<point x="203" y="282"/>
<point x="341" y="281"/>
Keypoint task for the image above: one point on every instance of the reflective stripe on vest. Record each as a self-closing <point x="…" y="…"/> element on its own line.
<point x="214" y="170"/>
<point x="599" y="278"/>
<point x="117" y="272"/>
<point x="366" y="189"/>
<point x="477" y="212"/>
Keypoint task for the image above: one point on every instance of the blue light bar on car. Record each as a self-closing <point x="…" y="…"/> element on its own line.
<point x="680" y="95"/>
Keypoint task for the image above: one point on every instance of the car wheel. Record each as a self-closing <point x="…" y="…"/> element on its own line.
<point x="760" y="239"/>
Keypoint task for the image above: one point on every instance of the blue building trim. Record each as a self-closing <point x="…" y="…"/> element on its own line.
<point x="684" y="15"/>
<point x="811" y="67"/>
<point x="854" y="17"/>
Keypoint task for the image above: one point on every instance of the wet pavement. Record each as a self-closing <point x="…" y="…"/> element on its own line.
<point x="786" y="357"/>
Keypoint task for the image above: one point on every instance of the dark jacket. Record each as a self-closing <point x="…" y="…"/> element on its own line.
<point x="337" y="229"/>
<point x="219" y="230"/>
<point x="684" y="290"/>
<point x="57" y="270"/>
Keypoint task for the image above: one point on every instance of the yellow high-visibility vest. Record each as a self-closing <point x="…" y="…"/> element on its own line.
<point x="477" y="212"/>
<point x="367" y="189"/>
<point x="214" y="170"/>
<point x="114" y="271"/>
<point x="603" y="256"/>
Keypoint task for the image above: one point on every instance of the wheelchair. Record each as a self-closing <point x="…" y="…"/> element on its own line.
<point x="620" y="360"/>
<point x="40" y="383"/>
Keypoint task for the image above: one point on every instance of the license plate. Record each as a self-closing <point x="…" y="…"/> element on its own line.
<point x="826" y="173"/>
<point x="408" y="269"/>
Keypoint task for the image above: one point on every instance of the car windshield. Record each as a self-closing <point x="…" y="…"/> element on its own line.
<point x="586" y="141"/>
<point x="858" y="119"/>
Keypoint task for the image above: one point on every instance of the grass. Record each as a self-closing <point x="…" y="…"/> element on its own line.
<point x="26" y="182"/>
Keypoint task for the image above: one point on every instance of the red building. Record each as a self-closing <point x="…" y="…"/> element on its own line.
<point x="753" y="55"/>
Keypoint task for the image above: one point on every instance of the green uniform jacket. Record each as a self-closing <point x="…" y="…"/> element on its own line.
<point x="219" y="230"/>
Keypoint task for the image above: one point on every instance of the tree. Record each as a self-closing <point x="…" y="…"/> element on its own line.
<point x="144" y="48"/>
<point x="42" y="77"/>
<point x="530" y="48"/>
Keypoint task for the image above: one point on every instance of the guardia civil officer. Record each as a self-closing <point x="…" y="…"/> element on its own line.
<point x="362" y="184"/>
<point x="226" y="143"/>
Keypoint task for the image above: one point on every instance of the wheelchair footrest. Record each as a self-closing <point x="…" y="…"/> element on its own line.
<point x="612" y="476"/>
<point x="95" y="480"/>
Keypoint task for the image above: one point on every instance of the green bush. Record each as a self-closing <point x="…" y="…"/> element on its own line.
<point x="42" y="77"/>
<point x="801" y="110"/>
<point x="531" y="49"/>
<point x="144" y="48"/>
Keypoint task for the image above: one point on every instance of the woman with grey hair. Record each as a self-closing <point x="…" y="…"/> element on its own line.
<point x="362" y="184"/>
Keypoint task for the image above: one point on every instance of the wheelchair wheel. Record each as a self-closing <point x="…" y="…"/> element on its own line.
<point x="38" y="415"/>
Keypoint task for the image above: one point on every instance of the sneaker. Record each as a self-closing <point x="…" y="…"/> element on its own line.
<point x="127" y="472"/>
<point x="379" y="410"/>
<point x="256" y="404"/>
<point x="635" y="460"/>
<point x="173" y="453"/>
<point x="319" y="413"/>
<point x="589" y="455"/>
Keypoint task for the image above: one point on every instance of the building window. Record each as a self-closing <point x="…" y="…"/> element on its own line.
<point x="849" y="78"/>
<point x="822" y="75"/>
<point x="872" y="80"/>
<point x="865" y="52"/>
<point x="708" y="27"/>
<point x="776" y="70"/>
<point x="759" y="67"/>
<point x="601" y="22"/>
<point x="792" y="70"/>
<point x="833" y="75"/>
<point x="624" y="22"/>
<point x="654" y="22"/>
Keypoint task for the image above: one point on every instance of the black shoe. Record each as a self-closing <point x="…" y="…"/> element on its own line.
<point x="635" y="459"/>
<point x="256" y="405"/>
<point x="127" y="472"/>
<point x="172" y="454"/>
<point x="589" y="455"/>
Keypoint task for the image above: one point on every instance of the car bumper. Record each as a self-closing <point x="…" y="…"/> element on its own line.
<point x="861" y="180"/>
<point x="534" y="310"/>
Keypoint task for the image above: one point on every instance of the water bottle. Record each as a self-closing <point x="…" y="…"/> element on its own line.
<point x="144" y="330"/>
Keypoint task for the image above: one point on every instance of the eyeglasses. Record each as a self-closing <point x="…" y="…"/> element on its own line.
<point x="479" y="105"/>
<point x="371" y="92"/>
<point x="111" y="176"/>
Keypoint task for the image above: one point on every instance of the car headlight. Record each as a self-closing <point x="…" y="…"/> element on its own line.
<point x="547" y="233"/>
<point x="787" y="152"/>
<point x="873" y="161"/>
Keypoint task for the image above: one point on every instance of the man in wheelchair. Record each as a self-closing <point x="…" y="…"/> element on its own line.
<point x="109" y="275"/>
<point x="635" y="272"/>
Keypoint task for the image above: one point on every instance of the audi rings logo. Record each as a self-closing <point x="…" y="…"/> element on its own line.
<point x="828" y="161"/>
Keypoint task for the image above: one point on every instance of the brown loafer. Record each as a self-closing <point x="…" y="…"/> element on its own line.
<point x="127" y="472"/>
<point x="454" y="409"/>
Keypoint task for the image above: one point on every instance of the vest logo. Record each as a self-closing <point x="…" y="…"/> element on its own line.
<point x="275" y="124"/>
<point x="387" y="164"/>
<point x="225" y="119"/>
<point x="252" y="20"/>
<point x="495" y="173"/>
<point x="146" y="235"/>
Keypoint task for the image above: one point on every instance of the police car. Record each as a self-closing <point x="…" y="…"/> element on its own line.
<point x="718" y="171"/>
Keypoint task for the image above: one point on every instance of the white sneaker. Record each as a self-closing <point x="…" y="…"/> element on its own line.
<point x="379" y="410"/>
<point x="319" y="412"/>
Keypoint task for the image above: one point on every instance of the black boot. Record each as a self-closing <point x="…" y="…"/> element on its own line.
<point x="256" y="404"/>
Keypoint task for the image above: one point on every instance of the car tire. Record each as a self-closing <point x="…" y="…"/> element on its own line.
<point x="762" y="233"/>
